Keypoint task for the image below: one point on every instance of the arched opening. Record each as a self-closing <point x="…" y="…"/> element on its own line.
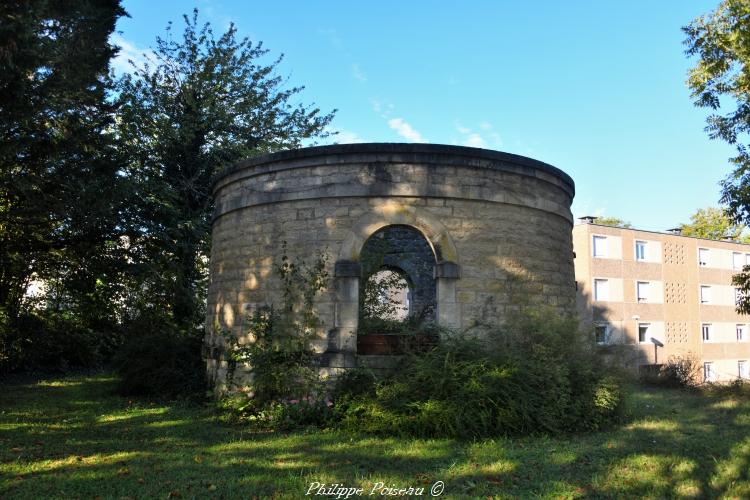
<point x="397" y="289"/>
<point x="441" y="268"/>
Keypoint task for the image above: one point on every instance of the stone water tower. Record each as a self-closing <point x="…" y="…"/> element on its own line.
<point x="475" y="220"/>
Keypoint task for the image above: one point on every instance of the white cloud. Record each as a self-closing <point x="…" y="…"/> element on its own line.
<point x="383" y="108"/>
<point x="488" y="138"/>
<point x="475" y="141"/>
<point x="358" y="74"/>
<point x="344" y="136"/>
<point x="405" y="130"/>
<point x="128" y="52"/>
<point x="216" y="18"/>
<point x="461" y="129"/>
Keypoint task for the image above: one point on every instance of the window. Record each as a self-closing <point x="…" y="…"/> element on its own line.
<point x="706" y="333"/>
<point x="703" y="256"/>
<point x="705" y="294"/>
<point x="708" y="371"/>
<point x="741" y="333"/>
<point x="600" y="246"/>
<point x="643" y="332"/>
<point x="742" y="369"/>
<point x="736" y="260"/>
<point x="640" y="250"/>
<point x="601" y="333"/>
<point x="601" y="290"/>
<point x="641" y="291"/>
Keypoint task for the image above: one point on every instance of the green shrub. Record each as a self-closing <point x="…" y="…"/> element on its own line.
<point x="736" y="389"/>
<point x="159" y="360"/>
<point x="283" y="415"/>
<point x="295" y="414"/>
<point x="53" y="341"/>
<point x="535" y="375"/>
<point x="353" y="383"/>
<point x="284" y="390"/>
<point x="280" y="359"/>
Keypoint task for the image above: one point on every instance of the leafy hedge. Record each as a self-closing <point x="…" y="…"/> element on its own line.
<point x="158" y="359"/>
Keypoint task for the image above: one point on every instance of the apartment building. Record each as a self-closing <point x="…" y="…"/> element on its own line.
<point x="648" y="296"/>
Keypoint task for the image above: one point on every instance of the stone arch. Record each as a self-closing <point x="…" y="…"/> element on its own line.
<point x="391" y="213"/>
<point x="348" y="270"/>
<point x="405" y="251"/>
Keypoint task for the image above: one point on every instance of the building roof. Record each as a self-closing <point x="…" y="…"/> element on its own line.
<point x="665" y="233"/>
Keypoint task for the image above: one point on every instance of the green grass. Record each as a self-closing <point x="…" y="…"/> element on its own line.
<point x="73" y="438"/>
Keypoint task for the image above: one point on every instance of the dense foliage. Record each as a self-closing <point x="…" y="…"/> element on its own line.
<point x="157" y="359"/>
<point x="714" y="224"/>
<point x="105" y="186"/>
<point x="60" y="192"/>
<point x="719" y="80"/>
<point x="535" y="375"/>
<point x="203" y="104"/>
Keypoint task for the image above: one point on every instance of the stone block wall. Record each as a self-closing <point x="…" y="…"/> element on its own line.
<point x="492" y="219"/>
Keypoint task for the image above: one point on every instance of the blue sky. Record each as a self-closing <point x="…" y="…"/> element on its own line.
<point x="594" y="88"/>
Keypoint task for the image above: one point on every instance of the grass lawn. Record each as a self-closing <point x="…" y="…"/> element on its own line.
<point x="73" y="438"/>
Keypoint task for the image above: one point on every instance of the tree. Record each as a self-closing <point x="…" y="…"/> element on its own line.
<point x="721" y="77"/>
<point x="202" y="104"/>
<point x="58" y="168"/>
<point x="612" y="221"/>
<point x="714" y="224"/>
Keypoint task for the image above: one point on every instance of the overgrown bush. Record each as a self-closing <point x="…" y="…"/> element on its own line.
<point x="280" y="360"/>
<point x="284" y="389"/>
<point x="350" y="385"/>
<point x="680" y="371"/>
<point x="158" y="359"/>
<point x="534" y="375"/>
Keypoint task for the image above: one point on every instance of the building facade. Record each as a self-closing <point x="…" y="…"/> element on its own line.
<point x="648" y="296"/>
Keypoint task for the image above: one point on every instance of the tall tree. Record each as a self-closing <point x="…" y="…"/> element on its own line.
<point x="714" y="224"/>
<point x="58" y="174"/>
<point x="202" y="104"/>
<point x="720" y="80"/>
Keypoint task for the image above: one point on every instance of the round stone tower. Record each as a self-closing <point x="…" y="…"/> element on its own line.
<point x="494" y="229"/>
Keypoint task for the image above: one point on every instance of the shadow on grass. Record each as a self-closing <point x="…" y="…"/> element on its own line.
<point x="676" y="445"/>
<point x="74" y="438"/>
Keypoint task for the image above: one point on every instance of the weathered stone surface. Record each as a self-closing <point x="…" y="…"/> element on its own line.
<point x="492" y="220"/>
